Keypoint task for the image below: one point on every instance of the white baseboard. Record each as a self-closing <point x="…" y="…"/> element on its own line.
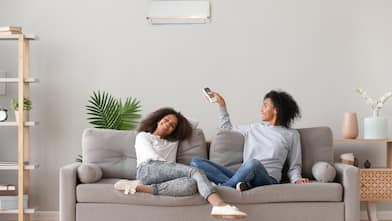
<point x="37" y="216"/>
<point x="381" y="215"/>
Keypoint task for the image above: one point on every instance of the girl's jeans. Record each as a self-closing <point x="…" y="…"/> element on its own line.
<point x="174" y="179"/>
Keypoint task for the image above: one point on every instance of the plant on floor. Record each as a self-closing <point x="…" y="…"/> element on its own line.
<point x="107" y="112"/>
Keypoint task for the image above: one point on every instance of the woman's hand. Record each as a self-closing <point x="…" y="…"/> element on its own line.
<point x="219" y="99"/>
<point x="302" y="181"/>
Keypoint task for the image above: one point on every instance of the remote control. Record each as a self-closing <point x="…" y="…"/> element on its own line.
<point x="210" y="97"/>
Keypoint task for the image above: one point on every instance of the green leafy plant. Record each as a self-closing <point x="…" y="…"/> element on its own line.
<point x="26" y="104"/>
<point x="79" y="159"/>
<point x="107" y="112"/>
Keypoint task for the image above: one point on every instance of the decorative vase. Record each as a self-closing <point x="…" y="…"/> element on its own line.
<point x="350" y="125"/>
<point x="367" y="164"/>
<point x="26" y="116"/>
<point x="375" y="127"/>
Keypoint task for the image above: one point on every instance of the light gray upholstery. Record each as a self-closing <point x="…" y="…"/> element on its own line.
<point x="313" y="211"/>
<point x="113" y="151"/>
<point x="348" y="176"/>
<point x="227" y="148"/>
<point x="316" y="145"/>
<point x="314" y="192"/>
<point x="195" y="146"/>
<point x="89" y="173"/>
<point x="68" y="183"/>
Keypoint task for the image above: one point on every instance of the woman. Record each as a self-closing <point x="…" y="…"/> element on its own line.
<point x="157" y="173"/>
<point x="267" y="146"/>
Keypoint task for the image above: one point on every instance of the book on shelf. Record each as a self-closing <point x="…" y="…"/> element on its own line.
<point x="10" y="28"/>
<point x="7" y="187"/>
<point x="8" y="192"/>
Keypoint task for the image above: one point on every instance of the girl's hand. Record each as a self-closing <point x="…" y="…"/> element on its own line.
<point x="302" y="181"/>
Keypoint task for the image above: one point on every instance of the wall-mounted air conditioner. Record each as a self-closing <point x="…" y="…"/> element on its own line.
<point x="179" y="12"/>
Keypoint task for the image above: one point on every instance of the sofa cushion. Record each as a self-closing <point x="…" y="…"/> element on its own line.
<point x="89" y="173"/>
<point x="103" y="192"/>
<point x="312" y="192"/>
<point x="323" y="172"/>
<point x="227" y="149"/>
<point x="195" y="146"/>
<point x="316" y="145"/>
<point x="114" y="151"/>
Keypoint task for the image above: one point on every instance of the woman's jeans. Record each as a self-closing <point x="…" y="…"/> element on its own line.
<point x="252" y="172"/>
<point x="174" y="179"/>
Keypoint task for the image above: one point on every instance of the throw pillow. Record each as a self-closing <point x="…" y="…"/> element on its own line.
<point x="89" y="173"/>
<point x="323" y="172"/>
<point x="227" y="149"/>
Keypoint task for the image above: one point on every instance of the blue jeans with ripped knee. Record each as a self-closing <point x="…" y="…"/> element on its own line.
<point x="252" y="172"/>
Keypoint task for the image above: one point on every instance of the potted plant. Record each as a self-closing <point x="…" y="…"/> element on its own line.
<point x="26" y="107"/>
<point x="107" y="112"/>
<point x="376" y="126"/>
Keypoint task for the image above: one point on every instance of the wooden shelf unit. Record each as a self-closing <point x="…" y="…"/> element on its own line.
<point x="375" y="183"/>
<point x="22" y="165"/>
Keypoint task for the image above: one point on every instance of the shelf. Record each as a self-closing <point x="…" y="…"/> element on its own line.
<point x="15" y="211"/>
<point x="23" y="80"/>
<point x="16" y="37"/>
<point x="14" y="166"/>
<point x="15" y="124"/>
<point x="16" y="80"/>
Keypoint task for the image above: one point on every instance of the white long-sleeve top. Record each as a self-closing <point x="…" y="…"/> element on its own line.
<point x="149" y="146"/>
<point x="269" y="144"/>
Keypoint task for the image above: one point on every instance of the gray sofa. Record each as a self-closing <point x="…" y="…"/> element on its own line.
<point x="113" y="152"/>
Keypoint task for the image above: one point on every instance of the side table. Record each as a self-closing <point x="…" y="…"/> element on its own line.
<point x="375" y="183"/>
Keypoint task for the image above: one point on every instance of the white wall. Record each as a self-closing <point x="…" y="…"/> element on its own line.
<point x="319" y="51"/>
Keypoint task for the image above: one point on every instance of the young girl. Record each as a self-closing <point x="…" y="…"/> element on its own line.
<point x="157" y="171"/>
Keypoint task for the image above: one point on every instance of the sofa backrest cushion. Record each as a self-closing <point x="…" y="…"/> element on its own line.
<point x="195" y="146"/>
<point x="114" y="151"/>
<point x="316" y="145"/>
<point x="227" y="149"/>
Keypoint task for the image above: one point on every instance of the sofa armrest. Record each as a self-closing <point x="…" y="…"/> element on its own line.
<point x="348" y="176"/>
<point x="68" y="182"/>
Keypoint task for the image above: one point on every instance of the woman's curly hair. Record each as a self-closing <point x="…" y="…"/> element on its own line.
<point x="286" y="107"/>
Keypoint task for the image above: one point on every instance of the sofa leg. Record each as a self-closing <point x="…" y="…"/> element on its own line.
<point x="372" y="211"/>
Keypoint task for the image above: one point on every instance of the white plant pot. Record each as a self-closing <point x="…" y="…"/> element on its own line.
<point x="26" y="116"/>
<point x="375" y="128"/>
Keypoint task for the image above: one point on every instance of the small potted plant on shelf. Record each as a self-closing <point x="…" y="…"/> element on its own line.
<point x="26" y="107"/>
